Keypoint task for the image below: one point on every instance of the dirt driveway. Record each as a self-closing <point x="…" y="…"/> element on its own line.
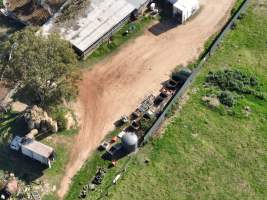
<point x="117" y="85"/>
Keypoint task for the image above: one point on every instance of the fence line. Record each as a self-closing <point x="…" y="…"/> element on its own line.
<point x="212" y="48"/>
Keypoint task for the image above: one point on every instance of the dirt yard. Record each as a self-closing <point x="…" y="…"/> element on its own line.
<point x="118" y="84"/>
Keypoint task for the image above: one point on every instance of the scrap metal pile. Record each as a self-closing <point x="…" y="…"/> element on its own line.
<point x="142" y="119"/>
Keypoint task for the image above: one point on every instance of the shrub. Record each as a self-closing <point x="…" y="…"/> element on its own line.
<point x="58" y="113"/>
<point x="233" y="80"/>
<point x="227" y="98"/>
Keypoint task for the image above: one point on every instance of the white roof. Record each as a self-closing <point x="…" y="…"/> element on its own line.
<point x="101" y="18"/>
<point x="38" y="147"/>
<point x="138" y="3"/>
<point x="184" y="4"/>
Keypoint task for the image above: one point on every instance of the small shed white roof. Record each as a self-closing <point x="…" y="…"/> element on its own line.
<point x="184" y="4"/>
<point x="38" y="147"/>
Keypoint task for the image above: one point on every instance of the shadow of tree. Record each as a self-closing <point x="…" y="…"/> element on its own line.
<point x="23" y="167"/>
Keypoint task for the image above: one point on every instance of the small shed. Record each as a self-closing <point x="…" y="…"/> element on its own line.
<point x="37" y="151"/>
<point x="184" y="9"/>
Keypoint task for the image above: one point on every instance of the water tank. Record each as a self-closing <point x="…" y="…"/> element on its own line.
<point x="130" y="142"/>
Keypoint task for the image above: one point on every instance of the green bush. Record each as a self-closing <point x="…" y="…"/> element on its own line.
<point x="234" y="80"/>
<point x="227" y="98"/>
<point x="58" y="113"/>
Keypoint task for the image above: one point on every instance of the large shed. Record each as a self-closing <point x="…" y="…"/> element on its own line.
<point x="102" y="19"/>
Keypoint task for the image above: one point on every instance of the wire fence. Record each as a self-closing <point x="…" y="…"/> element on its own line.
<point x="212" y="48"/>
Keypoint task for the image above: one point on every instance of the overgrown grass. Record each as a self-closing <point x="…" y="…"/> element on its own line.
<point x="135" y="29"/>
<point x="88" y="171"/>
<point x="236" y="6"/>
<point x="209" y="153"/>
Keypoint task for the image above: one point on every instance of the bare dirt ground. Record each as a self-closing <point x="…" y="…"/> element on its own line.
<point x="118" y="84"/>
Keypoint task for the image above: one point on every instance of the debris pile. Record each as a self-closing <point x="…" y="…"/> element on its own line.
<point x="13" y="188"/>
<point x="91" y="186"/>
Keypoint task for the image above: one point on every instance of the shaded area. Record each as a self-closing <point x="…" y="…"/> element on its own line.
<point x="164" y="26"/>
<point x="23" y="167"/>
<point x="7" y="27"/>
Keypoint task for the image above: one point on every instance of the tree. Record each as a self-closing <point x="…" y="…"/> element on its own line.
<point x="44" y="68"/>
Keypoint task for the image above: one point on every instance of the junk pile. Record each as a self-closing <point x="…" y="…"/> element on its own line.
<point x="12" y="188"/>
<point x="142" y="119"/>
<point x="37" y="118"/>
<point x="91" y="186"/>
<point x="9" y="187"/>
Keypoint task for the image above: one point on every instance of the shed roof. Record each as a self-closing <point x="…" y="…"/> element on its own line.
<point x="101" y="17"/>
<point x="37" y="147"/>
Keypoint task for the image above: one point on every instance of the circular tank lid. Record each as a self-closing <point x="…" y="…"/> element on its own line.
<point x="129" y="138"/>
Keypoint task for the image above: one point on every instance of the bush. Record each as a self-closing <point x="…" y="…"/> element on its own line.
<point x="58" y="113"/>
<point x="227" y="98"/>
<point x="234" y="80"/>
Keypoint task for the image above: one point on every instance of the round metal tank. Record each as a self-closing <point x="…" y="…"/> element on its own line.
<point x="130" y="142"/>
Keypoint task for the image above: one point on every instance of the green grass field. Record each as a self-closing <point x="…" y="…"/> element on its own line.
<point x="208" y="153"/>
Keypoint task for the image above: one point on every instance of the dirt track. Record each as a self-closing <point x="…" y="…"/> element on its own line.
<point x="117" y="85"/>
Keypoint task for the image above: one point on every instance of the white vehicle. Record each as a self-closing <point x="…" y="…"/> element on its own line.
<point x="33" y="149"/>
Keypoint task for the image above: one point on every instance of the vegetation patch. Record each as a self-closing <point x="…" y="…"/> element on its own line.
<point x="43" y="69"/>
<point x="230" y="84"/>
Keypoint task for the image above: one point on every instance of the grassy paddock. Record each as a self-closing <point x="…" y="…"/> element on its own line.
<point x="209" y="153"/>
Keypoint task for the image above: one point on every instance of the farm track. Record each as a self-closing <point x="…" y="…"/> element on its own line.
<point x="117" y="85"/>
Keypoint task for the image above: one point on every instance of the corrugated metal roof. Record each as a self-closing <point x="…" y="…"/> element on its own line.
<point x="101" y="18"/>
<point x="138" y="3"/>
<point x="38" y="148"/>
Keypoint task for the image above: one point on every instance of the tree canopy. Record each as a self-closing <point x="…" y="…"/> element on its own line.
<point x="44" y="68"/>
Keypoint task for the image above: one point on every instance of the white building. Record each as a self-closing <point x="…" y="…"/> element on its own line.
<point x="184" y="9"/>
